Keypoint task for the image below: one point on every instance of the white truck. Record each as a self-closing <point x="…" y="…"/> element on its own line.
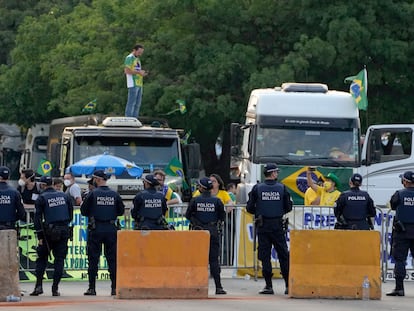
<point x="35" y="146"/>
<point x="150" y="147"/>
<point x="11" y="146"/>
<point x="300" y="125"/>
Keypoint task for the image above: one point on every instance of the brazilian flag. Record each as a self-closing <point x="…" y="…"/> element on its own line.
<point x="45" y="167"/>
<point x="175" y="168"/>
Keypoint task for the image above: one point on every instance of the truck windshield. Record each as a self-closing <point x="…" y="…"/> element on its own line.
<point x="143" y="151"/>
<point x="326" y="146"/>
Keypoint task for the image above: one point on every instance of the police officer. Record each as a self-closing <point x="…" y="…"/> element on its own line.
<point x="402" y="201"/>
<point x="354" y="207"/>
<point x="53" y="213"/>
<point x="102" y="206"/>
<point x="206" y="213"/>
<point x="11" y="207"/>
<point x="150" y="206"/>
<point x="269" y="201"/>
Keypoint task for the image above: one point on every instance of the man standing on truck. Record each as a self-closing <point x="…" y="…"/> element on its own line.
<point x="269" y="201"/>
<point x="328" y="192"/>
<point x="134" y="76"/>
<point x="403" y="230"/>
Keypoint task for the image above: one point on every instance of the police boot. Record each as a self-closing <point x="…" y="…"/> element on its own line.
<point x="90" y="292"/>
<point x="219" y="287"/>
<point x="268" y="290"/>
<point x="38" y="290"/>
<point x="399" y="289"/>
<point x="286" y="286"/>
<point x="55" y="290"/>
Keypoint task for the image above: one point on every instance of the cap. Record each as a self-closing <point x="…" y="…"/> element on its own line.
<point x="334" y="178"/>
<point x="100" y="174"/>
<point x="356" y="178"/>
<point x="46" y="180"/>
<point x="408" y="176"/>
<point x="270" y="167"/>
<point x="151" y="180"/>
<point x="4" y="172"/>
<point x="205" y="183"/>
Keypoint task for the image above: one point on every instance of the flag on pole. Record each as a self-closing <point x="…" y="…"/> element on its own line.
<point x="359" y="89"/>
<point x="90" y="107"/>
<point x="175" y="168"/>
<point x="185" y="138"/>
<point x="181" y="105"/>
<point x="44" y="168"/>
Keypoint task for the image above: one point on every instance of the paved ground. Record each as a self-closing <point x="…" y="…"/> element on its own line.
<point x="242" y="295"/>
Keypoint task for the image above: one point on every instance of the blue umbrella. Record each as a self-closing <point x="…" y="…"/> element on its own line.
<point x="112" y="165"/>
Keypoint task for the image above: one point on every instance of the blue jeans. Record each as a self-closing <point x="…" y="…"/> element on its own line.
<point x="134" y="101"/>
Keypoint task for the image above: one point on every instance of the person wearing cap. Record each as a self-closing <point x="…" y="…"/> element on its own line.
<point x="53" y="213"/>
<point x="206" y="212"/>
<point x="328" y="192"/>
<point x="269" y="201"/>
<point x="72" y="189"/>
<point x="169" y="194"/>
<point x="402" y="202"/>
<point x="102" y="206"/>
<point x="354" y="207"/>
<point x="28" y="187"/>
<point x="11" y="207"/>
<point x="91" y="186"/>
<point x="150" y="206"/>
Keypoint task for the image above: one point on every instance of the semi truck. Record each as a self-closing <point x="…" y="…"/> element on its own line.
<point x="11" y="147"/>
<point x="149" y="143"/>
<point x="35" y="146"/>
<point x="299" y="125"/>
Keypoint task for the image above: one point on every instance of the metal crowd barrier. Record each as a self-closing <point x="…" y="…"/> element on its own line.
<point x="234" y="253"/>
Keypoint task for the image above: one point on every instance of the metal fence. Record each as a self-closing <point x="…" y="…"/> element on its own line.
<point x="235" y="252"/>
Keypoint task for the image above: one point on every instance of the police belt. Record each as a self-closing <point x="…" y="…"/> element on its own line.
<point x="355" y="219"/>
<point x="271" y="218"/>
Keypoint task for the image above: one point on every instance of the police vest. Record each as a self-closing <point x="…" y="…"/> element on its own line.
<point x="270" y="200"/>
<point x="56" y="208"/>
<point x="206" y="209"/>
<point x="152" y="205"/>
<point x="356" y="205"/>
<point x="8" y="205"/>
<point x="104" y="204"/>
<point x="405" y="210"/>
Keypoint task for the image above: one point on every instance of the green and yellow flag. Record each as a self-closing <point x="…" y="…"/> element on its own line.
<point x="45" y="167"/>
<point x="359" y="89"/>
<point x="175" y="168"/>
<point x="90" y="107"/>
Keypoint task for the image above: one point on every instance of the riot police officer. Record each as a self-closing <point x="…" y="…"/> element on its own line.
<point x="207" y="213"/>
<point x="102" y="206"/>
<point x="11" y="207"/>
<point x="53" y="213"/>
<point x="354" y="208"/>
<point x="150" y="206"/>
<point x="269" y="201"/>
<point x="402" y="201"/>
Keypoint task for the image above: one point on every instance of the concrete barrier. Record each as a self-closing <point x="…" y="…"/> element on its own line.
<point x="332" y="264"/>
<point x="9" y="264"/>
<point x="162" y="264"/>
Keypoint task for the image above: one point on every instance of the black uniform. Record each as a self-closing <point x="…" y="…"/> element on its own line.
<point x="204" y="213"/>
<point x="53" y="213"/>
<point x="102" y="207"/>
<point x="402" y="202"/>
<point x="149" y="209"/>
<point x="353" y="208"/>
<point x="11" y="207"/>
<point x="269" y="201"/>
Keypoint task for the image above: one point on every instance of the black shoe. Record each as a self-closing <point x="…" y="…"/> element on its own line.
<point x="90" y="292"/>
<point x="113" y="292"/>
<point x="286" y="291"/>
<point x="55" y="290"/>
<point x="267" y="291"/>
<point x="220" y="291"/>
<point x="37" y="291"/>
<point x="396" y="292"/>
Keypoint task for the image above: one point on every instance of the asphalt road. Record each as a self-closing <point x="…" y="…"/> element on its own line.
<point x="242" y="295"/>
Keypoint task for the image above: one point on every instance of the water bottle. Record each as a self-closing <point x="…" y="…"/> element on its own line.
<point x="365" y="288"/>
<point x="12" y="298"/>
<point x="151" y="168"/>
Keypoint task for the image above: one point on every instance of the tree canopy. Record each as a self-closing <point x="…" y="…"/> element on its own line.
<point x="210" y="53"/>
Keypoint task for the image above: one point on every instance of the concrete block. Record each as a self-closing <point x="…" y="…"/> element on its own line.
<point x="9" y="264"/>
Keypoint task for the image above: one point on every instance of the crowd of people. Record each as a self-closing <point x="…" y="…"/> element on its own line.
<point x="268" y="201"/>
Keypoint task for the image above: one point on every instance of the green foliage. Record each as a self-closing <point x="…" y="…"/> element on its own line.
<point x="211" y="53"/>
